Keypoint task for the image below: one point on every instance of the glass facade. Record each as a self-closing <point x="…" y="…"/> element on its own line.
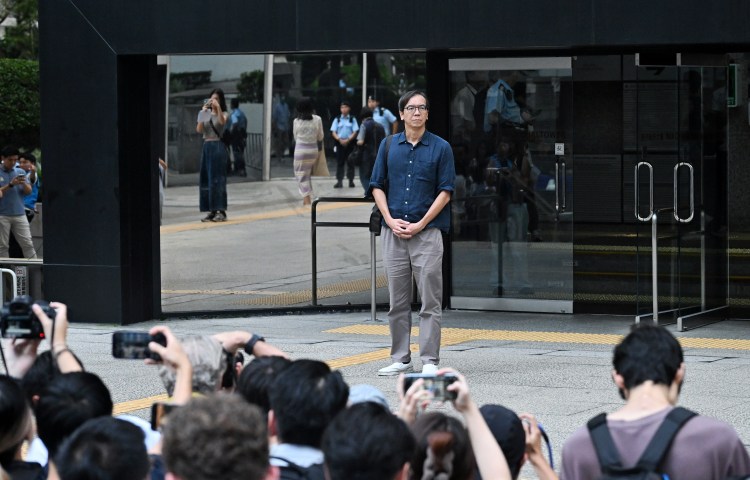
<point x="560" y="163"/>
<point x="236" y="275"/>
<point x="511" y="131"/>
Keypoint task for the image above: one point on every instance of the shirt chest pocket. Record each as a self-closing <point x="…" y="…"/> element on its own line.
<point x="426" y="169"/>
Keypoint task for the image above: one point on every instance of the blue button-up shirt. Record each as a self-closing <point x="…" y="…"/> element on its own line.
<point x="416" y="175"/>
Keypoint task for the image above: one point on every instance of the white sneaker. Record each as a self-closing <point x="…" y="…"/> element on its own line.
<point x="395" y="369"/>
<point x="429" y="368"/>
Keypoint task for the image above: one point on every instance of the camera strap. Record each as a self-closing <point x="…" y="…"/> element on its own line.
<point x="5" y="364"/>
<point x="214" y="128"/>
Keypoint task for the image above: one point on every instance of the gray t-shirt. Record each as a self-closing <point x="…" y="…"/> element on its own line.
<point x="704" y="449"/>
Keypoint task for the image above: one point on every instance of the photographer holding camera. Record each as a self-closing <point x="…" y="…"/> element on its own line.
<point x="24" y="324"/>
<point x="444" y="445"/>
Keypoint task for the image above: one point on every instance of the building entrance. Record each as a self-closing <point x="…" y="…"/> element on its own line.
<point x="512" y="243"/>
<point x="678" y="160"/>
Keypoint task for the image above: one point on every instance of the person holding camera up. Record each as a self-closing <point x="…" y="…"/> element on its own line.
<point x="213" y="177"/>
<point x="14" y="186"/>
<point x="445" y="446"/>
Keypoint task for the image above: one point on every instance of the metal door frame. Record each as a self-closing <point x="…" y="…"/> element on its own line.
<point x="683" y="318"/>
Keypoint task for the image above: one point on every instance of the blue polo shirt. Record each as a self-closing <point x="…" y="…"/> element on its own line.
<point x="416" y="175"/>
<point x="344" y="126"/>
<point x="12" y="202"/>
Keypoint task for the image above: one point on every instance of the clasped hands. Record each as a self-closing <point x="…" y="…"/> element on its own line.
<point x="404" y="229"/>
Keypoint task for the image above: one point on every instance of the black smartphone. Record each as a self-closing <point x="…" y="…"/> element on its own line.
<point x="433" y="383"/>
<point x="159" y="412"/>
<point x="134" y="345"/>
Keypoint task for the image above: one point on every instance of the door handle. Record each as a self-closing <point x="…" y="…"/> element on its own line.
<point x="564" y="184"/>
<point x="692" y="191"/>
<point x="650" y="192"/>
<point x="557" y="186"/>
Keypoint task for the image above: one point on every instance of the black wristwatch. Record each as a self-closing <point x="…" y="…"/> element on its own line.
<point x="250" y="345"/>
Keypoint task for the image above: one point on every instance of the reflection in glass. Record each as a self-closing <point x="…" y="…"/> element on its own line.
<point x="261" y="258"/>
<point x="512" y="209"/>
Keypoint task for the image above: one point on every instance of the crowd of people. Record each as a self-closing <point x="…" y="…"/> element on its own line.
<point x="274" y="417"/>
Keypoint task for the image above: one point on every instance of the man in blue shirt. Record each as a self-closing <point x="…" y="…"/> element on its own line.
<point x="281" y="121"/>
<point x="13" y="187"/>
<point x="344" y="130"/>
<point x="237" y="128"/>
<point x="382" y="115"/>
<point x="412" y="183"/>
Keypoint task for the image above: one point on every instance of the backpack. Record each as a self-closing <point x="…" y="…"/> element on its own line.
<point x="292" y="471"/>
<point x="648" y="465"/>
<point x="374" y="134"/>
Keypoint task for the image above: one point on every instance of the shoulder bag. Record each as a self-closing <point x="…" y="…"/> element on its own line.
<point x="376" y="217"/>
<point x="320" y="167"/>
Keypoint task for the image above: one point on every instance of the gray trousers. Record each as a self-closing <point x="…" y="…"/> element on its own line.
<point x="19" y="225"/>
<point x="422" y="257"/>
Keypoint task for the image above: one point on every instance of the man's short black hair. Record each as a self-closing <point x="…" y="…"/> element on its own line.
<point x="15" y="419"/>
<point x="408" y="96"/>
<point x="103" y="448"/>
<point x="39" y="375"/>
<point x="8" y="151"/>
<point x="648" y="353"/>
<point x="235" y="102"/>
<point x="366" y="442"/>
<point x="365" y="113"/>
<point x="304" y="398"/>
<point x="256" y="379"/>
<point x="28" y="156"/>
<point x="67" y="402"/>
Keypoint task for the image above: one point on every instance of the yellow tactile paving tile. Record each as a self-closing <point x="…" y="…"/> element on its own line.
<point x="457" y="335"/>
<point x="252" y="217"/>
<point x="137" y="404"/>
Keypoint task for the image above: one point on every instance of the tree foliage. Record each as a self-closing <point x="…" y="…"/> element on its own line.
<point x="19" y="102"/>
<point x="21" y="41"/>
<point x="250" y="87"/>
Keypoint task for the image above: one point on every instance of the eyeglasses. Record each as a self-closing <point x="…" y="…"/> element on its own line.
<point x="412" y="108"/>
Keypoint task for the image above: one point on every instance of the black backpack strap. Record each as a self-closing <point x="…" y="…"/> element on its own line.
<point x="387" y="147"/>
<point x="659" y="445"/>
<point x="298" y="471"/>
<point x="606" y="451"/>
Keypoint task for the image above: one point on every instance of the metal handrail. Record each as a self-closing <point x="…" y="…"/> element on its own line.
<point x="313" y="232"/>
<point x="21" y="261"/>
<point x="14" y="283"/>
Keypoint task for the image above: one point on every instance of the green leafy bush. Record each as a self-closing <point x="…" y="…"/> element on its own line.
<point x="19" y="103"/>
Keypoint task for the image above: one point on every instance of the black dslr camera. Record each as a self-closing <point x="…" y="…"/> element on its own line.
<point x="18" y="320"/>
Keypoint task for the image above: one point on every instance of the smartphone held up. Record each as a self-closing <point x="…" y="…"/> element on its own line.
<point x="133" y="345"/>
